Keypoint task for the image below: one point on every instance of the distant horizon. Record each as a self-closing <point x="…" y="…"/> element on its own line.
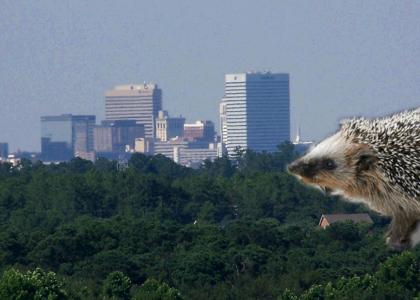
<point x="98" y="121"/>
<point x="345" y="59"/>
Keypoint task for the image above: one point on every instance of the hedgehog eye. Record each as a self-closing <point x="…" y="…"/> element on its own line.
<point x="329" y="164"/>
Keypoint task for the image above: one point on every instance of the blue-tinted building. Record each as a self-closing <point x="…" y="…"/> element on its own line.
<point x="255" y="111"/>
<point x="66" y="136"/>
<point x="4" y="150"/>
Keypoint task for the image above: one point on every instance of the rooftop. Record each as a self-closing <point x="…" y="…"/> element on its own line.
<point x="357" y="218"/>
<point x="143" y="86"/>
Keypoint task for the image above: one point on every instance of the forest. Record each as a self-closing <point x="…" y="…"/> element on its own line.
<point x="233" y="229"/>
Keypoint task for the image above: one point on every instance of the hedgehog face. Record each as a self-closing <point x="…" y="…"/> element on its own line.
<point x="321" y="172"/>
<point x="310" y="169"/>
<point x="335" y="165"/>
<point x="314" y="171"/>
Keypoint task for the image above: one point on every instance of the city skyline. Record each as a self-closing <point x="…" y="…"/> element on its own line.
<point x="344" y="58"/>
<point x="135" y="122"/>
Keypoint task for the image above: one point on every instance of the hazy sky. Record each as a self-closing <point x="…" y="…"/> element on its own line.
<point x="345" y="58"/>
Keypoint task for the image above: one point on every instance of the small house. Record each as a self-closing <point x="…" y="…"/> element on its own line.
<point x="327" y="220"/>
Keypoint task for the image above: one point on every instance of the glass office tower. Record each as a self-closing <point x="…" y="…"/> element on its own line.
<point x="62" y="137"/>
<point x="255" y="111"/>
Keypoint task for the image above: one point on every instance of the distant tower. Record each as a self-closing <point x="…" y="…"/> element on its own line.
<point x="65" y="136"/>
<point x="297" y="140"/>
<point x="255" y="111"/>
<point x="4" y="150"/>
<point x="135" y="102"/>
<point x="301" y="146"/>
<point x="222" y="124"/>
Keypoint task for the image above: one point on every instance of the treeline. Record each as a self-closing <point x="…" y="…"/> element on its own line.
<point x="230" y="230"/>
<point x="397" y="278"/>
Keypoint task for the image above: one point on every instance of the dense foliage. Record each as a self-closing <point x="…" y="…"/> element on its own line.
<point x="156" y="230"/>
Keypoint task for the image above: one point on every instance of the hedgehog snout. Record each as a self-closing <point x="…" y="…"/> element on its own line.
<point x="302" y="168"/>
<point x="294" y="167"/>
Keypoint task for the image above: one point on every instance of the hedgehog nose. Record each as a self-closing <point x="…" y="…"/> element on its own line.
<point x="296" y="167"/>
<point x="302" y="168"/>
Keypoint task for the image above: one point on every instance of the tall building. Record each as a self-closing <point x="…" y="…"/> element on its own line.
<point x="4" y="151"/>
<point x="56" y="138"/>
<point x="65" y="136"/>
<point x="223" y="123"/>
<point x="168" y="127"/>
<point x="200" y="131"/>
<point x="117" y="136"/>
<point x="135" y="102"/>
<point x="255" y="111"/>
<point x="83" y="134"/>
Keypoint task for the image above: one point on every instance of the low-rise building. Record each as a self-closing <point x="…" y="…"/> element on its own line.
<point x="169" y="127"/>
<point x="168" y="148"/>
<point x="91" y="155"/>
<point x="186" y="153"/>
<point x="327" y="220"/>
<point x="13" y="159"/>
<point x="194" y="157"/>
<point x="144" y="145"/>
<point x="200" y="130"/>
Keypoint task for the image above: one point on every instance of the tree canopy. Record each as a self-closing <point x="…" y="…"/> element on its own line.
<point x="233" y="229"/>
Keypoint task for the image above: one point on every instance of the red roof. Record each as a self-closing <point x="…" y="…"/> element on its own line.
<point x="357" y="218"/>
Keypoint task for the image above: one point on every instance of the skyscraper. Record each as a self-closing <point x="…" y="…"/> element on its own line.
<point x="83" y="134"/>
<point x="135" y="102"/>
<point x="4" y="151"/>
<point x="65" y="136"/>
<point x="255" y="111"/>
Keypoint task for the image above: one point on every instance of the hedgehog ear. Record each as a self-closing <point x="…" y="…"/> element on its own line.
<point x="365" y="162"/>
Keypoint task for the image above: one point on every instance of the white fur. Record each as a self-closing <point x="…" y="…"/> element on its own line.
<point x="331" y="146"/>
<point x="415" y="236"/>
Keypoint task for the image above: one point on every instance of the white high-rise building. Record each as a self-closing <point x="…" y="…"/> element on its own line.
<point x="255" y="111"/>
<point x="135" y="102"/>
<point x="223" y="127"/>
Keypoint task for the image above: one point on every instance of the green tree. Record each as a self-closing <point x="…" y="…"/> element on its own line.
<point x="117" y="286"/>
<point x="34" y="285"/>
<point x="221" y="166"/>
<point x="397" y="278"/>
<point x="403" y="270"/>
<point x="154" y="290"/>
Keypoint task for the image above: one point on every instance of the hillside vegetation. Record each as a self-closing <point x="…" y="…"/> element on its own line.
<point x="230" y="230"/>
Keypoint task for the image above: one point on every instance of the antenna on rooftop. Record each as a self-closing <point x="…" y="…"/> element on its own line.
<point x="297" y="140"/>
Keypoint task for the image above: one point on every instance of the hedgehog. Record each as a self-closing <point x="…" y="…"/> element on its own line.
<point x="373" y="161"/>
